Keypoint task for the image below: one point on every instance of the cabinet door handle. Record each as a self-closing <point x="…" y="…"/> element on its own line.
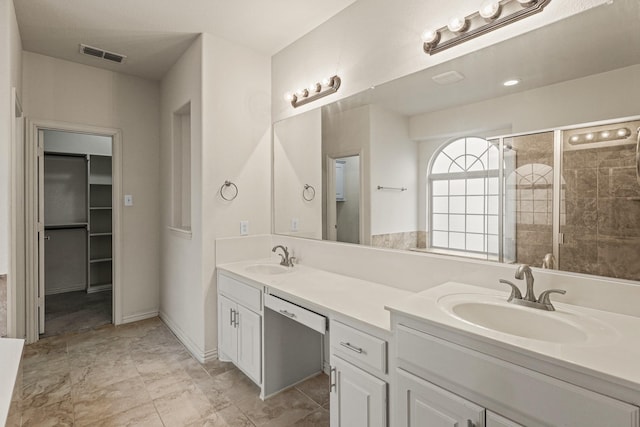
<point x="351" y="347"/>
<point x="288" y="314"/>
<point x="236" y="318"/>
<point x="231" y="311"/>
<point x="332" y="379"/>
<point x="470" y="423"/>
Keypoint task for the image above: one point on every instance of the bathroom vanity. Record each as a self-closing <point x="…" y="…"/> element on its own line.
<point x="453" y="355"/>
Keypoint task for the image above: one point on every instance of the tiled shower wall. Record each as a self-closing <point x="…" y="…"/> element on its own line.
<point x="602" y="233"/>
<point x="532" y="185"/>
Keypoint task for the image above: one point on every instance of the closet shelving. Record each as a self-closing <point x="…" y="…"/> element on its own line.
<point x="100" y="222"/>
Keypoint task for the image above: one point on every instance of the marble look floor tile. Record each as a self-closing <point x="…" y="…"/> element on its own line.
<point x="217" y="367"/>
<point x="101" y="373"/>
<point x="46" y="350"/>
<point x="92" y="406"/>
<point x="279" y="410"/>
<point x="218" y="399"/>
<point x="234" y="417"/>
<point x="184" y="407"/>
<point x="235" y="385"/>
<point x="317" y="388"/>
<point x="45" y="367"/>
<point x="318" y="418"/>
<point x="140" y="416"/>
<point x="56" y="414"/>
<point x="46" y="390"/>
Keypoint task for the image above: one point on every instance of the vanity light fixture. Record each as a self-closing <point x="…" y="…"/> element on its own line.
<point x="511" y="82"/>
<point x="314" y="91"/>
<point x="603" y="136"/>
<point x="491" y="14"/>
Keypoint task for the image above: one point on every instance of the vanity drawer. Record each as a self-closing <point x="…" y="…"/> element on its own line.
<point x="243" y="294"/>
<point x="359" y="346"/>
<point x="525" y="396"/>
<point x="294" y="312"/>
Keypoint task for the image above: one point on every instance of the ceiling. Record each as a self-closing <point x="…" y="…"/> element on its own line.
<point x="601" y="39"/>
<point x="153" y="34"/>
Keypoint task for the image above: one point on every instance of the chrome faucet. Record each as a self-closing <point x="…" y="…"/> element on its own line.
<point x="286" y="260"/>
<point x="543" y="302"/>
<point x="549" y="261"/>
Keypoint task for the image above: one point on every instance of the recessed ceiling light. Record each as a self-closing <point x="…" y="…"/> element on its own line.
<point x="512" y="82"/>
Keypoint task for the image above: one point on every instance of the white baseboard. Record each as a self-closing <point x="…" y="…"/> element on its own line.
<point x="200" y="355"/>
<point x="139" y="316"/>
<point x="72" y="288"/>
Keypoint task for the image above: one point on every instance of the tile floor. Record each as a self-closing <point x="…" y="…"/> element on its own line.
<point x="140" y="375"/>
<point x="76" y="311"/>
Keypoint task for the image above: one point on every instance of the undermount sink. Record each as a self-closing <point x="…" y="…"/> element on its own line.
<point x="495" y="313"/>
<point x="268" y="269"/>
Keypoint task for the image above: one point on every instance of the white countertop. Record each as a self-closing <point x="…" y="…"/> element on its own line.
<point x="612" y="353"/>
<point x="354" y="298"/>
<point x="10" y="356"/>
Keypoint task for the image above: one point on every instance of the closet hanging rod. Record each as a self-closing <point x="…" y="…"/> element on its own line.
<point x="65" y="226"/>
<point x="380" y="187"/>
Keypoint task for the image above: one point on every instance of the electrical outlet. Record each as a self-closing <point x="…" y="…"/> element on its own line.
<point x="244" y="228"/>
<point x="128" y="200"/>
<point x="294" y="224"/>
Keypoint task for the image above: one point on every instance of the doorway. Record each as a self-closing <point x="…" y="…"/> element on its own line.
<point x="73" y="183"/>
<point x="343" y="201"/>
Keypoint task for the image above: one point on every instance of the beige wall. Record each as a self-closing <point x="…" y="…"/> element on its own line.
<point x="236" y="147"/>
<point x="297" y="153"/>
<point x="64" y="91"/>
<point x="181" y="256"/>
<point x="10" y="77"/>
<point x="375" y="41"/>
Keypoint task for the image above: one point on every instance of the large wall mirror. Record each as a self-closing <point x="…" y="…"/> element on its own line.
<point x="450" y="160"/>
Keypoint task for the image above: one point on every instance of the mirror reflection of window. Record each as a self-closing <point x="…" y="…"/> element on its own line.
<point x="464" y="191"/>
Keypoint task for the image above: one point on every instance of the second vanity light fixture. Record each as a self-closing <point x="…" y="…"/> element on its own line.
<point x="492" y="14"/>
<point x="314" y="91"/>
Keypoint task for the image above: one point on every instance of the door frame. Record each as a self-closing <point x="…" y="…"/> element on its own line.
<point x="33" y="126"/>
<point x="330" y="195"/>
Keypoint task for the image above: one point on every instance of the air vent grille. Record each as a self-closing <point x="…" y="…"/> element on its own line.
<point x="103" y="54"/>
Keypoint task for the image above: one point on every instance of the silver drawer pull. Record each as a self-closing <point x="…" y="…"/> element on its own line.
<point x="286" y="313"/>
<point x="351" y="347"/>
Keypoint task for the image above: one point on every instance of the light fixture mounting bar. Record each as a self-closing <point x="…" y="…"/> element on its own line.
<point x="510" y="11"/>
<point x="321" y="91"/>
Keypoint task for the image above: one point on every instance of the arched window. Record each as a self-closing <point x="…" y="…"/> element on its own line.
<point x="464" y="196"/>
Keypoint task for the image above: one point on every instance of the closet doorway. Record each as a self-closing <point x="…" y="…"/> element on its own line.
<point x="75" y="230"/>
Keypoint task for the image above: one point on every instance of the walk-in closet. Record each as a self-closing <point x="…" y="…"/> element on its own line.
<point x="77" y="203"/>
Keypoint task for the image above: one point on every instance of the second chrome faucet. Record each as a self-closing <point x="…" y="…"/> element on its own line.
<point x="529" y="300"/>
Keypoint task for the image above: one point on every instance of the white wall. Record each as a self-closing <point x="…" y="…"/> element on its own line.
<point x="236" y="147"/>
<point x="297" y="160"/>
<point x="65" y="91"/>
<point x="604" y="96"/>
<point x="394" y="163"/>
<point x="375" y="41"/>
<point x="181" y="304"/>
<point x="10" y="77"/>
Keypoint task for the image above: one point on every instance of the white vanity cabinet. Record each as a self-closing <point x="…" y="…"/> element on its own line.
<point x="239" y="326"/>
<point x="358" y="395"/>
<point x="456" y="385"/>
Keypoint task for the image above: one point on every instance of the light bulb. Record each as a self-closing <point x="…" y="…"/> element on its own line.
<point x="575" y="138"/>
<point x="511" y="82"/>
<point x="430" y="36"/>
<point x="326" y="81"/>
<point x="288" y="96"/>
<point x="314" y="87"/>
<point x="605" y="134"/>
<point x="589" y="136"/>
<point x="624" y="132"/>
<point x="302" y="92"/>
<point x="490" y="9"/>
<point x="457" y="25"/>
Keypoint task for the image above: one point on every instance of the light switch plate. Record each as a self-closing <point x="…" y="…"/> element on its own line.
<point x="294" y="224"/>
<point x="128" y="200"/>
<point x="244" y="228"/>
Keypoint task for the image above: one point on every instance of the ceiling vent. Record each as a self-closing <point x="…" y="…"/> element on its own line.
<point x="448" y="78"/>
<point x="103" y="54"/>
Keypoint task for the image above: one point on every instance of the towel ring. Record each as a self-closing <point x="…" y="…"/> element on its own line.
<point x="308" y="189"/>
<point x="228" y="184"/>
